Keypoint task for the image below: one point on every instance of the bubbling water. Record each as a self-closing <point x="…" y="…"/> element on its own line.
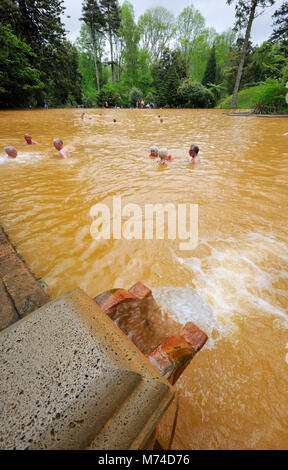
<point x="184" y="304"/>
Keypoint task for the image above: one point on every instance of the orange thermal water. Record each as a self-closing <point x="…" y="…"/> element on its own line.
<point x="234" y="393"/>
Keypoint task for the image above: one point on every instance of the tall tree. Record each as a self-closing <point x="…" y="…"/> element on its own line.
<point x="211" y="69"/>
<point x="167" y="75"/>
<point x="111" y="12"/>
<point x="38" y="23"/>
<point x="18" y="79"/>
<point x="190" y="25"/>
<point x="280" y="30"/>
<point x="157" y="27"/>
<point x="246" y="12"/>
<point x="94" y="19"/>
<point x="130" y="38"/>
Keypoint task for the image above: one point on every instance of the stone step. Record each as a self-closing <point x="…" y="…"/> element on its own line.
<point x="20" y="293"/>
<point x="72" y="380"/>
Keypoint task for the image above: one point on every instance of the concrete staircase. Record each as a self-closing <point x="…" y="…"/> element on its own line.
<point x="70" y="379"/>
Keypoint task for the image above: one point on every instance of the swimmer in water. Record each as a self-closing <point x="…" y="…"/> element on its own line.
<point x="193" y="152"/>
<point x="164" y="157"/>
<point x="114" y="121"/>
<point x="83" y="116"/>
<point x="154" y="152"/>
<point x="161" y="120"/>
<point x="29" y="140"/>
<point x="11" y="151"/>
<point x="63" y="152"/>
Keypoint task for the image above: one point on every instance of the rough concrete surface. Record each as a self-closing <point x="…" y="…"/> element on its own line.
<point x="70" y="379"/>
<point x="20" y="293"/>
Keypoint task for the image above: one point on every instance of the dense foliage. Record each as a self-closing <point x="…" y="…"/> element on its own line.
<point x="168" y="61"/>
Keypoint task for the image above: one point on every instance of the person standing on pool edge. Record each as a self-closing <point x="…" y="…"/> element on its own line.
<point x="193" y="152"/>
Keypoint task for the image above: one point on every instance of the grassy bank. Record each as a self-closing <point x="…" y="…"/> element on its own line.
<point x="246" y="98"/>
<point x="266" y="98"/>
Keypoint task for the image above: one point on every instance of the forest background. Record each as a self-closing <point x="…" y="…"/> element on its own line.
<point x="160" y="59"/>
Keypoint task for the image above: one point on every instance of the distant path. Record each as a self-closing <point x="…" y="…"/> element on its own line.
<point x="20" y="293"/>
<point x="257" y="115"/>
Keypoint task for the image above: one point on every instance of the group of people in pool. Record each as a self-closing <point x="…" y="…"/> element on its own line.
<point x="165" y="158"/>
<point x="58" y="144"/>
<point x="162" y="154"/>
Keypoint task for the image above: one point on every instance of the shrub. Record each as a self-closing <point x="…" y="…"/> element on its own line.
<point x="271" y="98"/>
<point x="195" y="95"/>
<point x="108" y="93"/>
<point x="135" y="95"/>
<point x="149" y="98"/>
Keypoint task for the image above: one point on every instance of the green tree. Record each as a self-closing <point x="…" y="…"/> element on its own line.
<point x="109" y="93"/>
<point x="190" y="26"/>
<point x="111" y="12"/>
<point x="194" y="95"/>
<point x="94" y="20"/>
<point x="211" y="69"/>
<point x="157" y="28"/>
<point x="65" y="80"/>
<point x="136" y="95"/>
<point x="130" y="37"/>
<point x="280" y="30"/>
<point x="224" y="43"/>
<point x="246" y="12"/>
<point x="39" y="24"/>
<point x="167" y="75"/>
<point x="18" y="78"/>
<point x="231" y="67"/>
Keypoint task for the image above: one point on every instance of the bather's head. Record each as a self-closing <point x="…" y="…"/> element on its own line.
<point x="58" y="144"/>
<point x="11" y="151"/>
<point x="163" y="153"/>
<point x="193" y="151"/>
<point x="154" y="151"/>
<point x="28" y="138"/>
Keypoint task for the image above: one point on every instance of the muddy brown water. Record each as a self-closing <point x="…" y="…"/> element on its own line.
<point x="234" y="393"/>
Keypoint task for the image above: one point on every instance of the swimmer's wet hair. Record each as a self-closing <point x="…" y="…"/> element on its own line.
<point x="163" y="152"/>
<point x="195" y="148"/>
<point x="155" y="148"/>
<point x="58" y="141"/>
<point x="9" y="149"/>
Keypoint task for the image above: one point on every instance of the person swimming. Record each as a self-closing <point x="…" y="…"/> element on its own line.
<point x="193" y="152"/>
<point x="11" y="151"/>
<point x="154" y="152"/>
<point x="63" y="151"/>
<point x="29" y="140"/>
<point x="164" y="157"/>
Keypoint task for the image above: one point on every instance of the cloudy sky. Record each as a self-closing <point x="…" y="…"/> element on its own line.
<point x="216" y="12"/>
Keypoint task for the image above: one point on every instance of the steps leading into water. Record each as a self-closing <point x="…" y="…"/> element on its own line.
<point x="72" y="380"/>
<point x="20" y="293"/>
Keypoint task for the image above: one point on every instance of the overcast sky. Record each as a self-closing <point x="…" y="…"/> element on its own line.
<point x="216" y="12"/>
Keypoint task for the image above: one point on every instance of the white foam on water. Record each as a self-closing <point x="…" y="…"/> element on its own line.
<point x="3" y="160"/>
<point x="241" y="276"/>
<point x="184" y="304"/>
<point x="22" y="158"/>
